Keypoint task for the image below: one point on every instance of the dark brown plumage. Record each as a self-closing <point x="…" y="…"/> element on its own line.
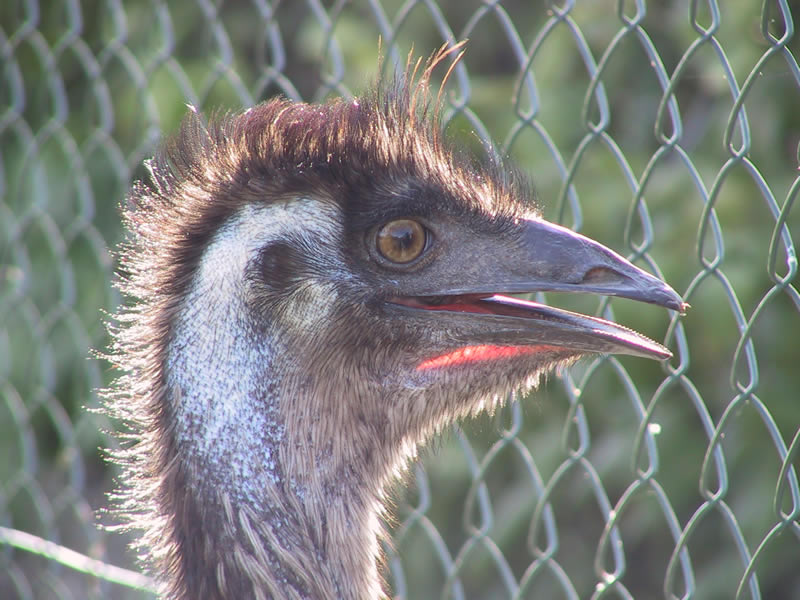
<point x="290" y="338"/>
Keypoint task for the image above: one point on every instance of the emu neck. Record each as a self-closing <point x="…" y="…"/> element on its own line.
<point x="265" y="502"/>
<point x="285" y="511"/>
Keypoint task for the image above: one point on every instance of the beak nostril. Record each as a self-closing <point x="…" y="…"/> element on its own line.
<point x="602" y="275"/>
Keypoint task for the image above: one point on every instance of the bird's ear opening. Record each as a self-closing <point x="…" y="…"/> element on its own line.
<point x="279" y="266"/>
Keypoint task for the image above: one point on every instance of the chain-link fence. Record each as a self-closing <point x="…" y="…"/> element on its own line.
<point x="667" y="130"/>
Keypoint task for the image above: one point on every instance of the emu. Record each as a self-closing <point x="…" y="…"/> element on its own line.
<point x="313" y="292"/>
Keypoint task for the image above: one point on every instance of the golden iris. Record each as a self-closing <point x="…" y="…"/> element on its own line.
<point x="401" y="241"/>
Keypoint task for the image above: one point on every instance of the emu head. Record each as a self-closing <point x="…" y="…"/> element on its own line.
<point x="317" y="289"/>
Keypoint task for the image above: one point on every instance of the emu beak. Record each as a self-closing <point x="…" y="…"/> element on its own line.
<point x="544" y="257"/>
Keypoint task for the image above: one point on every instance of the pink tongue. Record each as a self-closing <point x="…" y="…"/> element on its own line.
<point x="473" y="354"/>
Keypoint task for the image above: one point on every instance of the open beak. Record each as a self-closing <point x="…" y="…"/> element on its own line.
<point x="546" y="257"/>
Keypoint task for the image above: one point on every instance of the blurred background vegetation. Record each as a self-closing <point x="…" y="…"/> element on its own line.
<point x="574" y="94"/>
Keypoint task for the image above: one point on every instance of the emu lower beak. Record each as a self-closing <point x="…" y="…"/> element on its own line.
<point x="545" y="257"/>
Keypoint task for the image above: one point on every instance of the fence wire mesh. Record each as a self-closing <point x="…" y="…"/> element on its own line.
<point x="667" y="130"/>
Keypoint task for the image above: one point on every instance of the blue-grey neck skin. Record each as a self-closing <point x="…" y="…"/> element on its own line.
<point x="219" y="365"/>
<point x="231" y="381"/>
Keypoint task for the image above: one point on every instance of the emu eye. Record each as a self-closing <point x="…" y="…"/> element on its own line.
<point x="401" y="241"/>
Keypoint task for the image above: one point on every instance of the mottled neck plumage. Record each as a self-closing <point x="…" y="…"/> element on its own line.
<point x="284" y="505"/>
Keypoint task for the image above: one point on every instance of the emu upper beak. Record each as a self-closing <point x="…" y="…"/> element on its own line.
<point x="544" y="257"/>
